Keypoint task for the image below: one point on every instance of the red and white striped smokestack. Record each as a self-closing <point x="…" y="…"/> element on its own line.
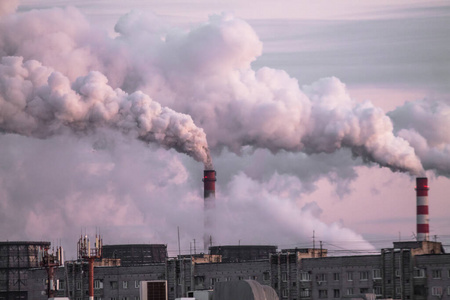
<point x="423" y="230"/>
<point x="209" y="186"/>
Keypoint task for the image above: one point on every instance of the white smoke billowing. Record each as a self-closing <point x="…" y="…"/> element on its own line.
<point x="208" y="74"/>
<point x="39" y="102"/>
<point x="426" y="126"/>
<point x="61" y="77"/>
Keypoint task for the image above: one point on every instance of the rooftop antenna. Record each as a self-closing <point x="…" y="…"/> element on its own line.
<point x="90" y="254"/>
<point x="314" y="243"/>
<point x="179" y="248"/>
<point x="49" y="260"/>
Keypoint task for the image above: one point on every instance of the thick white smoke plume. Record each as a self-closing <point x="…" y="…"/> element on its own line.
<point x="206" y="73"/>
<point x="426" y="126"/>
<point x="60" y="74"/>
<point x="37" y="101"/>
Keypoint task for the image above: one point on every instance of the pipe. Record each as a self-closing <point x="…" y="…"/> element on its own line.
<point x="209" y="196"/>
<point x="91" y="277"/>
<point x="423" y="230"/>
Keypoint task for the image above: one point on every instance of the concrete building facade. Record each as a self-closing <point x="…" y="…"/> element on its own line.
<point x="16" y="258"/>
<point x="409" y="270"/>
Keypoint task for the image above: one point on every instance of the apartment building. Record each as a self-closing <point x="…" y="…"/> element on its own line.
<point x="408" y="270"/>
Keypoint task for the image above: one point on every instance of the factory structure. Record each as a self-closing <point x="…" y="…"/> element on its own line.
<point x="417" y="269"/>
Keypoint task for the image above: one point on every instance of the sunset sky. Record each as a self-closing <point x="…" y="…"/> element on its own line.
<point x="318" y="116"/>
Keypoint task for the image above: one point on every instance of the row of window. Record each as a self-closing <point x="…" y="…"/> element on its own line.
<point x="114" y="298"/>
<point x="438" y="290"/>
<point x="98" y="284"/>
<point x="323" y="293"/>
<point x="437" y="273"/>
<point x="364" y="275"/>
<point x="323" y="277"/>
<point x="201" y="279"/>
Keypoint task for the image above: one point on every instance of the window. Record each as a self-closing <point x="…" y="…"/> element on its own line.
<point x="336" y="293"/>
<point x="125" y="284"/>
<point x="240" y="277"/>
<point x="78" y="285"/>
<point x="61" y="285"/>
<point x="376" y="274"/>
<point x="114" y="285"/>
<point x="285" y="293"/>
<point x="255" y="277"/>
<point x="377" y="290"/>
<point x="266" y="276"/>
<point x="305" y="276"/>
<point x="284" y="277"/>
<point x="350" y="277"/>
<point x="350" y="291"/>
<point x="125" y="298"/>
<point x="212" y="281"/>
<point x="448" y="291"/>
<point x="436" y="291"/>
<point x="419" y="273"/>
<point x="419" y="290"/>
<point x="364" y="290"/>
<point x="98" y="284"/>
<point x="137" y="284"/>
<point x="398" y="290"/>
<point x="305" y="293"/>
<point x="199" y="280"/>
<point x="323" y="294"/>
<point x="322" y="277"/>
<point x="336" y="276"/>
<point x="436" y="274"/>
<point x="363" y="275"/>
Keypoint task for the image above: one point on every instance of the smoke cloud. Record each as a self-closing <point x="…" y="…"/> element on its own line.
<point x="426" y="126"/>
<point x="240" y="107"/>
<point x="206" y="72"/>
<point x="39" y="102"/>
<point x="71" y="83"/>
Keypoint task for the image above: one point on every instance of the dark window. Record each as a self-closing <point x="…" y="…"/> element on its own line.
<point x="114" y="285"/>
<point x="336" y="293"/>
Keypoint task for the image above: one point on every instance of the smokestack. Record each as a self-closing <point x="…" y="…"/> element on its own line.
<point x="209" y="186"/>
<point x="423" y="229"/>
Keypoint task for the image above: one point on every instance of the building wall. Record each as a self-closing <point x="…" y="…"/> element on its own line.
<point x="395" y="273"/>
<point x="16" y="258"/>
<point x="136" y="254"/>
<point x="241" y="253"/>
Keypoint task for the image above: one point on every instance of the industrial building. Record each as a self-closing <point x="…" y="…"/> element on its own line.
<point x="409" y="270"/>
<point x="16" y="258"/>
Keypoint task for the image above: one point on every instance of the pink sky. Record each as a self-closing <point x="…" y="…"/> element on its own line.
<point x="386" y="52"/>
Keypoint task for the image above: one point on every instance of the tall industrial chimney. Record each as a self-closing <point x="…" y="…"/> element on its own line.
<point x="423" y="230"/>
<point x="209" y="185"/>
